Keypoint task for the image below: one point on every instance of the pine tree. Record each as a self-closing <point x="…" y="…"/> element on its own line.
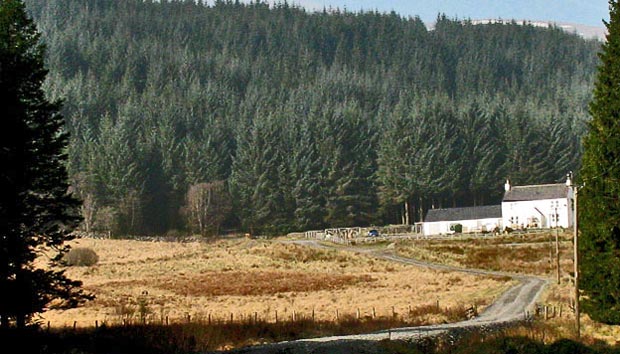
<point x="254" y="178"/>
<point x="36" y="211"/>
<point x="599" y="201"/>
<point x="350" y="199"/>
<point x="479" y="155"/>
<point x="308" y="191"/>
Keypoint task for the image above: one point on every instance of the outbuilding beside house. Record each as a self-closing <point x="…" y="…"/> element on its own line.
<point x="473" y="219"/>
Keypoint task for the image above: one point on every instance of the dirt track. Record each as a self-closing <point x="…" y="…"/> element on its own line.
<point x="513" y="305"/>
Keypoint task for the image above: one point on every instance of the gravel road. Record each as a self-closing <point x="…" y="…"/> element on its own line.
<point x="513" y="305"/>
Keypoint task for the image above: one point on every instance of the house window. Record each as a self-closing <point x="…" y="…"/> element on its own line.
<point x="554" y="217"/>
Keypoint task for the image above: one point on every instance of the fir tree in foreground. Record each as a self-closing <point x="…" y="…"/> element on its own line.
<point x="36" y="212"/>
<point x="599" y="206"/>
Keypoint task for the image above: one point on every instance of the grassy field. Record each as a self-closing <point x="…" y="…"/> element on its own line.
<point x="138" y="281"/>
<point x="145" y="283"/>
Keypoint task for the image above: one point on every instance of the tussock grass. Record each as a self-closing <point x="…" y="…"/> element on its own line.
<point x="296" y="253"/>
<point x="251" y="283"/>
<point x="515" y="254"/>
<point x="562" y="295"/>
<point x="81" y="257"/>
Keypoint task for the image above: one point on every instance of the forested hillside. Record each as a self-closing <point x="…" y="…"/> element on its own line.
<point x="310" y="119"/>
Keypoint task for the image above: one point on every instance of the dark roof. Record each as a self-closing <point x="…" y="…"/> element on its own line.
<point x="468" y="213"/>
<point x="539" y="192"/>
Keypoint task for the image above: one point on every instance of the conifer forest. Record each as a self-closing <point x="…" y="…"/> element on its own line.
<point x="294" y="120"/>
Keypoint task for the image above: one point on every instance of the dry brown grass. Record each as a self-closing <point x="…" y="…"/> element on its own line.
<point x="561" y="295"/>
<point x="257" y="278"/>
<point x="208" y="335"/>
<point x="252" y="283"/>
<point x="523" y="255"/>
<point x="514" y="254"/>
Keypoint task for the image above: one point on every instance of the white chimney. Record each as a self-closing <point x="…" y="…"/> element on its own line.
<point x="507" y="185"/>
<point x="569" y="183"/>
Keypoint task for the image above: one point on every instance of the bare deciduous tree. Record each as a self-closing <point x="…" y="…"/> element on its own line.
<point x="88" y="211"/>
<point x="106" y="220"/>
<point x="207" y="205"/>
<point x="82" y="186"/>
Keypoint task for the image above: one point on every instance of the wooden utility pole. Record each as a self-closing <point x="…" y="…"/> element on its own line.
<point x="576" y="263"/>
<point x="557" y="247"/>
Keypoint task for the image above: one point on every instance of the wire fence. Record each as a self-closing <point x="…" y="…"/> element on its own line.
<point x="403" y="314"/>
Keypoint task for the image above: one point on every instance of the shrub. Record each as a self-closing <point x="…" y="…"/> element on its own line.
<point x="457" y="228"/>
<point x="80" y="256"/>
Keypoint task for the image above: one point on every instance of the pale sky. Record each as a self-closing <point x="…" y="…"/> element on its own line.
<point x="585" y="12"/>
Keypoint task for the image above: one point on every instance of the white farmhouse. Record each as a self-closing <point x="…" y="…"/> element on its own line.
<point x="537" y="206"/>
<point x="473" y="219"/>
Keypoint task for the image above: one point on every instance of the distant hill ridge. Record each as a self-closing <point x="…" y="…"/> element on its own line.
<point x="585" y="31"/>
<point x="589" y="32"/>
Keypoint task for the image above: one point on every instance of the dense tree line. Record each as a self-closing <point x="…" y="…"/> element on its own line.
<point x="598" y="190"/>
<point x="311" y="119"/>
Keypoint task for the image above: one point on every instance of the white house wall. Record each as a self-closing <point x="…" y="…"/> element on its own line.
<point x="443" y="227"/>
<point x="524" y="214"/>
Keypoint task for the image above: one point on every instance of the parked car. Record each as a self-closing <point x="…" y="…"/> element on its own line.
<point x="373" y="233"/>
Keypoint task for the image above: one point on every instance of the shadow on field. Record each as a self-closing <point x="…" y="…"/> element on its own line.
<point x="172" y="340"/>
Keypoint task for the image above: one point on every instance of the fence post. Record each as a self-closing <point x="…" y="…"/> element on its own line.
<point x="358" y="313"/>
<point x="276" y="316"/>
<point x="374" y="312"/>
<point x="337" y="315"/>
